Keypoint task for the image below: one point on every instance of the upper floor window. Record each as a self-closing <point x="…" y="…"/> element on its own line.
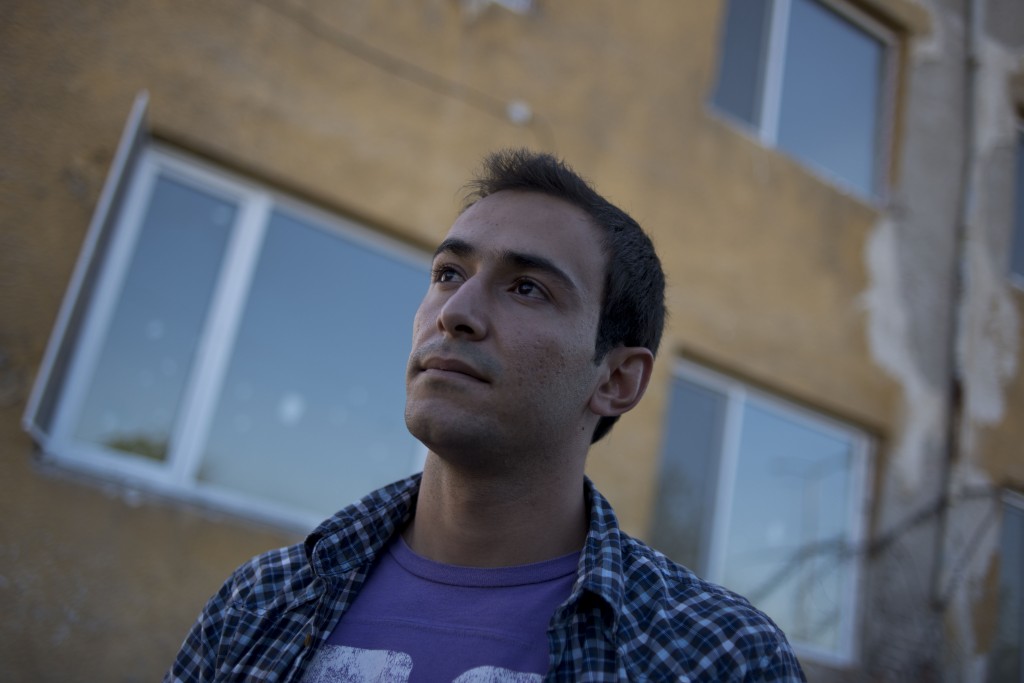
<point x="811" y="77"/>
<point x="1006" y="662"/>
<point x="1017" y="255"/>
<point x="767" y="499"/>
<point x="235" y="346"/>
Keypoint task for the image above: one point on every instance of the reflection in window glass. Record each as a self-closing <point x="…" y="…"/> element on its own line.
<point x="810" y="81"/>
<point x="238" y="349"/>
<point x="147" y="352"/>
<point x="310" y="411"/>
<point x="682" y="514"/>
<point x="739" y="73"/>
<point x="1006" y="663"/>
<point x="762" y="497"/>
<point x="787" y="537"/>
<point x="830" y="94"/>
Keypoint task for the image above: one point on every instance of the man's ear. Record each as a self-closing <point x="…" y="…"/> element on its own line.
<point x="627" y="370"/>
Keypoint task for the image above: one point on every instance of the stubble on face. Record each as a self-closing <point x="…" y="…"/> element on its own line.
<point x="530" y="373"/>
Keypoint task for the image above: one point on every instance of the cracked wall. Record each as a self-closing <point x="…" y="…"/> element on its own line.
<point x="912" y="255"/>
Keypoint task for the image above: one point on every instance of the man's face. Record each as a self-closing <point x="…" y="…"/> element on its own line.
<point x="503" y="343"/>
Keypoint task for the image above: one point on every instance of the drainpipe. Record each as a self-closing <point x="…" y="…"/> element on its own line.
<point x="973" y="17"/>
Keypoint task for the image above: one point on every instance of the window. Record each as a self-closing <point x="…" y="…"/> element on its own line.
<point x="234" y="346"/>
<point x="1006" y="662"/>
<point x="767" y="499"/>
<point x="811" y="77"/>
<point x="1017" y="255"/>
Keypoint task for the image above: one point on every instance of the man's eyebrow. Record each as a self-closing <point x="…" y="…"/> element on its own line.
<point x="539" y="263"/>
<point x="520" y="260"/>
<point x="455" y="246"/>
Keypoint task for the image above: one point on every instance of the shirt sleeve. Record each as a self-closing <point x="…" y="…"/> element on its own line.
<point x="197" y="659"/>
<point x="780" y="667"/>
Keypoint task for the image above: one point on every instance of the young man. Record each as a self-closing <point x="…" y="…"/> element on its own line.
<point x="501" y="563"/>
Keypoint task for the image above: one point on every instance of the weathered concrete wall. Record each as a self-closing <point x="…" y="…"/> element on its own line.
<point x="937" y="512"/>
<point x="379" y="111"/>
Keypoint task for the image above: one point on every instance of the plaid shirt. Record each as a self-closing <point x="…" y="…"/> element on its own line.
<point x="633" y="615"/>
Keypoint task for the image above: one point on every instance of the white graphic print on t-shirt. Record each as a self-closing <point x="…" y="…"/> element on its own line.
<point x="342" y="664"/>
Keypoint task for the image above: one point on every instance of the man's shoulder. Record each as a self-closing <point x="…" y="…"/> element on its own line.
<point x="667" y="607"/>
<point x="348" y="539"/>
<point x="278" y="575"/>
<point x="655" y="582"/>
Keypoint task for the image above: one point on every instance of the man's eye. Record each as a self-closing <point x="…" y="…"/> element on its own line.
<point x="530" y="289"/>
<point x="444" y="274"/>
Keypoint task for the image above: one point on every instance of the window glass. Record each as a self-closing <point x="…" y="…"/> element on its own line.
<point x="745" y="40"/>
<point x="810" y="81"/>
<point x="788" y="530"/>
<point x="682" y="515"/>
<point x="310" y="413"/>
<point x="42" y="404"/>
<point x="137" y="383"/>
<point x="764" y="498"/>
<point x="830" y="94"/>
<point x="1005" y="662"/>
<point x="238" y="349"/>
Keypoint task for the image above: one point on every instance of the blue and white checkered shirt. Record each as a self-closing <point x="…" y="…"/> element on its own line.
<point x="633" y="615"/>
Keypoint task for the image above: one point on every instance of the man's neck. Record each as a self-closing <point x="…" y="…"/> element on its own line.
<point x="475" y="521"/>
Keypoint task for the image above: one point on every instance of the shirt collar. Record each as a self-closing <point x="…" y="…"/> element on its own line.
<point x="600" y="570"/>
<point x="356" y="535"/>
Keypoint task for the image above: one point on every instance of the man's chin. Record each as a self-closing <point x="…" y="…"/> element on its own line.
<point x="450" y="433"/>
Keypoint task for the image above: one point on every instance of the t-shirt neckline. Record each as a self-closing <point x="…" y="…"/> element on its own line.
<point x="482" y="577"/>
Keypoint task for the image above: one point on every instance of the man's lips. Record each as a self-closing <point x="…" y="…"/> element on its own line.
<point x="452" y="365"/>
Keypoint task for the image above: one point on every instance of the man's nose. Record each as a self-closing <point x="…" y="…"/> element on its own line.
<point x="464" y="314"/>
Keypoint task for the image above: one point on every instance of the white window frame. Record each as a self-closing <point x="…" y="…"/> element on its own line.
<point x="133" y="140"/>
<point x="176" y="476"/>
<point x="770" y="100"/>
<point x="737" y="395"/>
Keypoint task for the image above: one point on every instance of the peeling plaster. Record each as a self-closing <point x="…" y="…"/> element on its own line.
<point x="933" y="47"/>
<point x="991" y="339"/>
<point x="989" y="343"/>
<point x="890" y="342"/>
<point x="991" y="325"/>
<point x="474" y="8"/>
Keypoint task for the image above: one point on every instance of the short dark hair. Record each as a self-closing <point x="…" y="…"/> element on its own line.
<point x="633" y="299"/>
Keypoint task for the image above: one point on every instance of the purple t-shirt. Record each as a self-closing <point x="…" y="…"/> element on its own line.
<point x="418" y="620"/>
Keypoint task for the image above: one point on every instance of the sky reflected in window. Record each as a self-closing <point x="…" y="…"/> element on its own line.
<point x="687" y="481"/>
<point x="745" y="37"/>
<point x="831" y="92"/>
<point x="310" y="413"/>
<point x="786" y="544"/>
<point x="760" y="497"/>
<point x="137" y="384"/>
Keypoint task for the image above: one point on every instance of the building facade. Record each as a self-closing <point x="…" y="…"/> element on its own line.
<point x="216" y="222"/>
